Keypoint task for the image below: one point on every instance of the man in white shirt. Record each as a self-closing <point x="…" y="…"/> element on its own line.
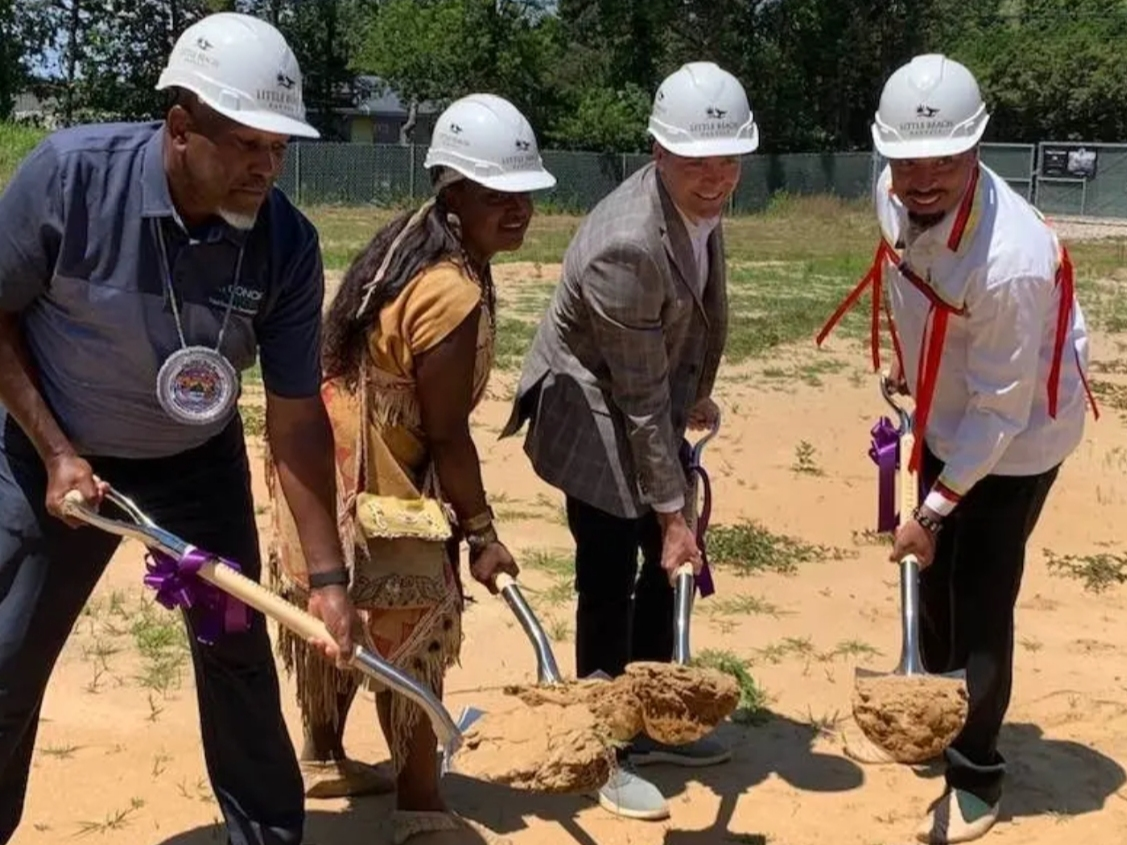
<point x="992" y="345"/>
<point x="623" y="362"/>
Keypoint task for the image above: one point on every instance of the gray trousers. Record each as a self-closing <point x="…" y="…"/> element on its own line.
<point x="47" y="572"/>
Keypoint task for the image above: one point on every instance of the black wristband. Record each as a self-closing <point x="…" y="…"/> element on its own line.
<point x="334" y="577"/>
<point x="932" y="525"/>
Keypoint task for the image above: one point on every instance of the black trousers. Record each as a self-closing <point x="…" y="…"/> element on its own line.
<point x="47" y="572"/>
<point x="967" y="599"/>
<point x="622" y="615"/>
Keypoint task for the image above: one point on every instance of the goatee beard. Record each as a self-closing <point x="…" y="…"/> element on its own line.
<point x="921" y="222"/>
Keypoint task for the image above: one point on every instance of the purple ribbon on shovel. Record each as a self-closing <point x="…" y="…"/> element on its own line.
<point x="884" y="449"/>
<point x="177" y="584"/>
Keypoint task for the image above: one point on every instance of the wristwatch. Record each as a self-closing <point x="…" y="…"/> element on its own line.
<point x="334" y="577"/>
<point x="480" y="539"/>
<point x="928" y="522"/>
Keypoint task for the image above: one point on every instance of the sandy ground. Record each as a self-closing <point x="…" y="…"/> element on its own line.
<point x="123" y="766"/>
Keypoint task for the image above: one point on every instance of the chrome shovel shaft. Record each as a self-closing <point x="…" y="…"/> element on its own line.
<point x="683" y="591"/>
<point x="911" y="663"/>
<point x="547" y="672"/>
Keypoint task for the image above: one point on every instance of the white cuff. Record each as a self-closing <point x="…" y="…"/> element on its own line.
<point x="672" y="506"/>
<point x="938" y="503"/>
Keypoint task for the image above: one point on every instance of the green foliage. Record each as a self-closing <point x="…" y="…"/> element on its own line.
<point x="606" y="120"/>
<point x="584" y="71"/>
<point x="1060" y="72"/>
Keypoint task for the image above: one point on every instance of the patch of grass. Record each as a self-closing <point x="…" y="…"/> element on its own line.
<point x="514" y="337"/>
<point x="506" y="514"/>
<point x="784" y="303"/>
<point x="62" y="752"/>
<point x="752" y="706"/>
<point x="851" y="648"/>
<point x="558" y="630"/>
<point x="1099" y="572"/>
<point x="871" y="537"/>
<point x="1109" y="394"/>
<point x="740" y="606"/>
<point x="16" y="141"/>
<point x="824" y="726"/>
<point x="804" y="460"/>
<point x="787" y="647"/>
<point x="559" y="593"/>
<point x="750" y="548"/>
<point x="782" y="288"/>
<point x="555" y="563"/>
<point x="113" y="821"/>
<point x="160" y="763"/>
<point x="1099" y="276"/>
<point x="1116" y="367"/>
<point x="254" y="418"/>
<point x="159" y="637"/>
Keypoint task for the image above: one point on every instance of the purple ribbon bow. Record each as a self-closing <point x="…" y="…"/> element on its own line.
<point x="884" y="449"/>
<point x="178" y="584"/>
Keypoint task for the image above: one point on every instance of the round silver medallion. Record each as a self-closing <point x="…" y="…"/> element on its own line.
<point x="197" y="385"/>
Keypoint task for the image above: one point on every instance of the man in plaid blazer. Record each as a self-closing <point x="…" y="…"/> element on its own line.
<point x="623" y="362"/>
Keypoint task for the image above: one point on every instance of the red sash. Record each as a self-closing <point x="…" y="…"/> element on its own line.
<point x="935" y="332"/>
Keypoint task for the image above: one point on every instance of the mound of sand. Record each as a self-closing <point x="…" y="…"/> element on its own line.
<point x="681" y="704"/>
<point x="614" y="704"/>
<point x="913" y="718"/>
<point x="551" y="748"/>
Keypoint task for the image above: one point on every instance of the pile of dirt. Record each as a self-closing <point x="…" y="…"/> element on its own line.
<point x="913" y="718"/>
<point x="681" y="704"/>
<point x="673" y="704"/>
<point x="560" y="738"/>
<point x="551" y="748"/>
<point x="614" y="704"/>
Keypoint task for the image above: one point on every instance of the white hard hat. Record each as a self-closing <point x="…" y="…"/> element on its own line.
<point x="702" y="110"/>
<point x="486" y="139"/>
<point x="930" y="107"/>
<point x="243" y="68"/>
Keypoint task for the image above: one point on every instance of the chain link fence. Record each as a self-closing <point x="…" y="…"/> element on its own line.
<point x="1060" y="178"/>
<point x="1089" y="180"/>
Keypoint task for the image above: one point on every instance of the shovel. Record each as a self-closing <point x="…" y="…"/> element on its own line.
<point x="168" y="548"/>
<point x="911" y="662"/>
<point x="547" y="671"/>
<point x="685" y="583"/>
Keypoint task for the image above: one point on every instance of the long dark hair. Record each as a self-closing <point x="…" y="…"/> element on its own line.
<point x="345" y="335"/>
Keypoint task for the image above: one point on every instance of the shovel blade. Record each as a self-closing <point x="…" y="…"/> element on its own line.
<point x="860" y="672"/>
<point x="468" y="716"/>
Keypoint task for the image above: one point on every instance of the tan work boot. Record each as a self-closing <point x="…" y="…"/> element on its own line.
<point x="343" y="779"/>
<point x="957" y="816"/>
<point x="437" y="828"/>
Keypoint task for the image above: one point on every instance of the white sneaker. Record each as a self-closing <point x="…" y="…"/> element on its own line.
<point x="631" y="797"/>
<point x="957" y="817"/>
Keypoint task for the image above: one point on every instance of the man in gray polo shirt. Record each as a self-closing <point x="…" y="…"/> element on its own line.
<point x="142" y="266"/>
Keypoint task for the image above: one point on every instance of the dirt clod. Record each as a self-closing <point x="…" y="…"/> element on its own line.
<point x="615" y="704"/>
<point x="913" y="718"/>
<point x="550" y="748"/>
<point x="681" y="704"/>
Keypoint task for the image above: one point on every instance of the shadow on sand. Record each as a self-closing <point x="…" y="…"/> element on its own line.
<point x="1046" y="776"/>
